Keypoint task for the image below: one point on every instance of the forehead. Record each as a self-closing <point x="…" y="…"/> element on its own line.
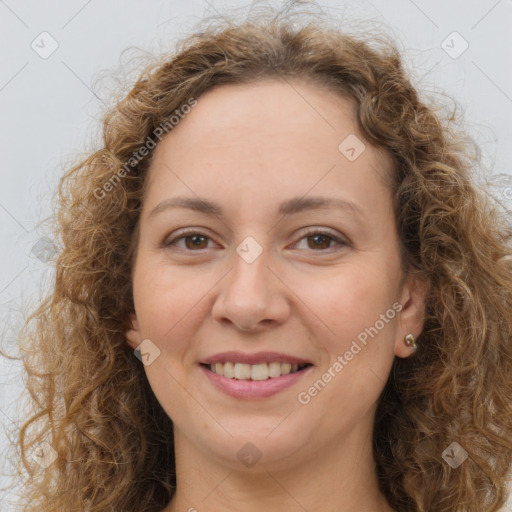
<point x="278" y="134"/>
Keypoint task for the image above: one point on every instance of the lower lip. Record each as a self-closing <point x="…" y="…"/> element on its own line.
<point x="252" y="389"/>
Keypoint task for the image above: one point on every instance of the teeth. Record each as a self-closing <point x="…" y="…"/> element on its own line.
<point x="228" y="370"/>
<point x="242" y="371"/>
<point x="261" y="371"/>
<point x="286" y="368"/>
<point x="274" y="369"/>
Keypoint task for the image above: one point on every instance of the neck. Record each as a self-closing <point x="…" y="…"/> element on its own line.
<point x="342" y="478"/>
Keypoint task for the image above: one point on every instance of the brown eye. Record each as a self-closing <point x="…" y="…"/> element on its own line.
<point x="196" y="241"/>
<point x="193" y="240"/>
<point x="320" y="241"/>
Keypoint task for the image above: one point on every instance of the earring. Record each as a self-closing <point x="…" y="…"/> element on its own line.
<point x="410" y="341"/>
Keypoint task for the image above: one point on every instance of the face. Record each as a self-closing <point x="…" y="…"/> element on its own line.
<point x="271" y="281"/>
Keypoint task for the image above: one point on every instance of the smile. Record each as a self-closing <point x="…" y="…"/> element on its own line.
<point x="261" y="371"/>
<point x="254" y="381"/>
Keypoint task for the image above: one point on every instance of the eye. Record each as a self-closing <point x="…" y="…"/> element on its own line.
<point x="196" y="240"/>
<point x="321" y="240"/>
<point x="193" y="240"/>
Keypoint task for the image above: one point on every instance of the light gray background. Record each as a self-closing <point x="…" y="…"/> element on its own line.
<point x="50" y="112"/>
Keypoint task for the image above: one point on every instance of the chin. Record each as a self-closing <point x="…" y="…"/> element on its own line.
<point x="262" y="444"/>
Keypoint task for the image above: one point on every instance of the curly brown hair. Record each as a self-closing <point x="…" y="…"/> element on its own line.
<point x="91" y="397"/>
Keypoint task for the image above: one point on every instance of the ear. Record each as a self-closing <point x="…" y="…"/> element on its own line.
<point x="133" y="333"/>
<point x="412" y="315"/>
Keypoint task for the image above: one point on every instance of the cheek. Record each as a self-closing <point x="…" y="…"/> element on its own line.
<point x="171" y="304"/>
<point x="337" y="304"/>
<point x="356" y="308"/>
<point x="349" y="300"/>
<point x="167" y="301"/>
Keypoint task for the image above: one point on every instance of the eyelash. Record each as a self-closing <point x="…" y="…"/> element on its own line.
<point x="191" y="232"/>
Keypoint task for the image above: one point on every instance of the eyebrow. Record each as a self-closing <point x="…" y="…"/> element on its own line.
<point x="288" y="207"/>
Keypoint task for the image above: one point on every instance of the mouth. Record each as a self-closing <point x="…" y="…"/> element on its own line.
<point x="254" y="372"/>
<point x="256" y="381"/>
<point x="253" y="376"/>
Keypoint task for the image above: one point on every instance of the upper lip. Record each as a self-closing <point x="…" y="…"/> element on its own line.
<point x="255" y="358"/>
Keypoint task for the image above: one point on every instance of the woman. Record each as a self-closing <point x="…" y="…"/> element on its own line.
<point x="278" y="289"/>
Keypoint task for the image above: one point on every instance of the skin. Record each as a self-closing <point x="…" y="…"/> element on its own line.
<point x="248" y="148"/>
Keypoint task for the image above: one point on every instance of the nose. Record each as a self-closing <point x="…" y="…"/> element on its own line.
<point x="252" y="297"/>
